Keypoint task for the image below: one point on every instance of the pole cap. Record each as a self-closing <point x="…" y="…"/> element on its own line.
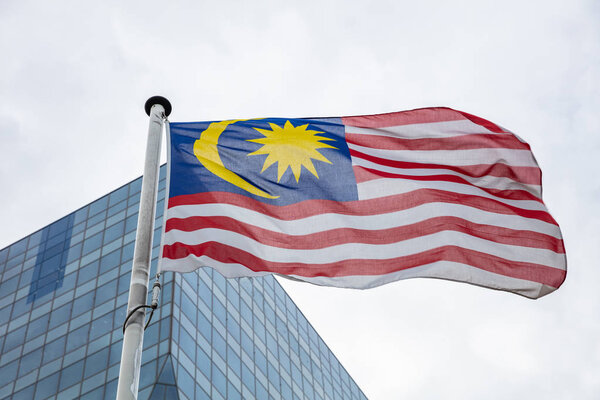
<point x="158" y="100"/>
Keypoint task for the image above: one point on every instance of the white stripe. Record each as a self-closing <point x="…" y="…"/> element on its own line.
<point x="486" y="181"/>
<point x="424" y="131"/>
<point x="392" y="186"/>
<point x="447" y="270"/>
<point x="315" y="223"/>
<point x="442" y="269"/>
<point x="349" y="251"/>
<point x="512" y="157"/>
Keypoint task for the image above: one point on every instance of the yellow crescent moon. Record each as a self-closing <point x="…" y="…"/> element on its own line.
<point x="206" y="151"/>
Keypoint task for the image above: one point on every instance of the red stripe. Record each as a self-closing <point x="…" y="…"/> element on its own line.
<point x="227" y="254"/>
<point x="333" y="237"/>
<point x="418" y="116"/>
<point x="375" y="206"/>
<point x="527" y="175"/>
<point x="483" y="122"/>
<point x="461" y="142"/>
<point x="363" y="174"/>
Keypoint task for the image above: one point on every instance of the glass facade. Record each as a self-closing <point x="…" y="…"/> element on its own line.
<point x="63" y="297"/>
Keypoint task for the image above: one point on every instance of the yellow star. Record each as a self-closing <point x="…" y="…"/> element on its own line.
<point x="292" y="147"/>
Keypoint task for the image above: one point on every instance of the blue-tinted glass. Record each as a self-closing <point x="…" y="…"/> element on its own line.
<point x="68" y="283"/>
<point x="101" y="325"/>
<point x="269" y="313"/>
<point x="77" y="338"/>
<point x="114" y="232"/>
<point x="115" y="352"/>
<point x="106" y="292"/>
<point x="96" y="362"/>
<point x="219" y="343"/>
<point x="17" y="248"/>
<point x="80" y="215"/>
<point x="115" y="210"/>
<point x="219" y="281"/>
<point x="135" y="187"/>
<point x="247" y="345"/>
<point x="5" y="314"/>
<point x="20" y="307"/>
<point x="259" y="329"/>
<point x="219" y="310"/>
<point x="98" y="205"/>
<point x="192" y="279"/>
<point x="203" y="361"/>
<point x="110" y="392"/>
<point x="30" y="361"/>
<point x="8" y="373"/>
<point x="95" y="223"/>
<point x="296" y="375"/>
<point x="26" y="277"/>
<point x="147" y="374"/>
<point x="260" y="360"/>
<point x="204" y="292"/>
<point x="248" y="378"/>
<point x="88" y="272"/>
<point x="96" y="394"/>
<point x="92" y="243"/>
<point x="233" y="361"/>
<point x="219" y="380"/>
<point x="110" y="261"/>
<point x="124" y="281"/>
<point x="282" y="327"/>
<point x="272" y="344"/>
<point x="232" y="393"/>
<point x="47" y="386"/>
<point x="185" y="382"/>
<point x="4" y="255"/>
<point x="38" y="326"/>
<point x="284" y="360"/>
<point x="131" y="223"/>
<point x="25" y="394"/>
<point x="118" y="195"/>
<point x="261" y="392"/>
<point x="160" y="208"/>
<point x="185" y="340"/>
<point x="83" y="303"/>
<point x="127" y="252"/>
<point x="8" y="286"/>
<point x="71" y="375"/>
<point x="14" y="339"/>
<point x="54" y="349"/>
<point x="232" y="295"/>
<point x="204" y="326"/>
<point x="233" y="328"/>
<point x="286" y="391"/>
<point x="273" y="375"/>
<point x="188" y="308"/>
<point x="270" y="317"/>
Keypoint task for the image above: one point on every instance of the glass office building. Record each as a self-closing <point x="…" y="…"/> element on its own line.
<point x="63" y="297"/>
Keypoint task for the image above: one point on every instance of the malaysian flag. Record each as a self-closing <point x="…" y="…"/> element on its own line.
<point x="361" y="201"/>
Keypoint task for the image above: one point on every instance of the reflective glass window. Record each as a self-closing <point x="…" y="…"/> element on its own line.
<point x="47" y="386"/>
<point x="219" y="380"/>
<point x="71" y="375"/>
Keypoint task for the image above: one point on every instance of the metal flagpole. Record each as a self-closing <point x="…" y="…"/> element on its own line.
<point x="157" y="108"/>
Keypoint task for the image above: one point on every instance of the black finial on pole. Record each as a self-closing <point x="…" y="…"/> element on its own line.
<point x="158" y="100"/>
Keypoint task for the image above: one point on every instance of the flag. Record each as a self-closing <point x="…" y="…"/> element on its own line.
<point x="361" y="201"/>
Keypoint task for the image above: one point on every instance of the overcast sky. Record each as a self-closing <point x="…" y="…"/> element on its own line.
<point x="74" y="76"/>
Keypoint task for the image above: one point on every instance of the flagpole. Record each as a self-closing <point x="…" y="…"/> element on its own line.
<point x="157" y="108"/>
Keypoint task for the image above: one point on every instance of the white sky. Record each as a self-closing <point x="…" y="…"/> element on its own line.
<point x="74" y="77"/>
